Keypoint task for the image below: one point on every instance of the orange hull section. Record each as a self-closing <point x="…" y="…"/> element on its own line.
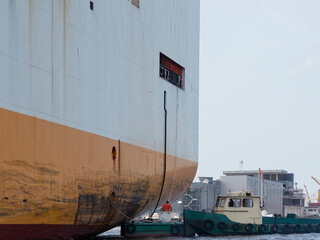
<point x="54" y="174"/>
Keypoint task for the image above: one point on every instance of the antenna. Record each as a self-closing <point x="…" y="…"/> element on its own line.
<point x="240" y="165"/>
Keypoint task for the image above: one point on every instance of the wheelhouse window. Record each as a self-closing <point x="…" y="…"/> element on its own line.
<point x="247" y="203"/>
<point x="234" y="202"/>
<point x="222" y="202"/>
<point x="171" y="71"/>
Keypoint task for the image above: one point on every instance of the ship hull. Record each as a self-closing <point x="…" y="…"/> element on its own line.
<point x="91" y="131"/>
<point x="43" y="231"/>
<point x="66" y="181"/>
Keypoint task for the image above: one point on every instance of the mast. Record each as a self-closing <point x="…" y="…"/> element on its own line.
<point x="261" y="188"/>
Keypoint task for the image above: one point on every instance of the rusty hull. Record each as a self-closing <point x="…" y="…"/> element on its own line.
<point x="55" y="175"/>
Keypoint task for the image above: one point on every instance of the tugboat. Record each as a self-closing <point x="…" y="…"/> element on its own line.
<point x="240" y="214"/>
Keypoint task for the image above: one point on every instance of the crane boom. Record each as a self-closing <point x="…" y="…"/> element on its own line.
<point x="309" y="200"/>
<point x="316" y="180"/>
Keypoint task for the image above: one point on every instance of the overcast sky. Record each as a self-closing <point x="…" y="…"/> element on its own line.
<point x="260" y="87"/>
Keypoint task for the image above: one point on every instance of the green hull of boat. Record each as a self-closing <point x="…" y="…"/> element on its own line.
<point x="152" y="230"/>
<point x="204" y="223"/>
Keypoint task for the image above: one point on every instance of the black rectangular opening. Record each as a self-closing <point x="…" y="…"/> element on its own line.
<point x="171" y="71"/>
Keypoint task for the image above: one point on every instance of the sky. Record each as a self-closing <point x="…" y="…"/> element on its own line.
<point x="260" y="87"/>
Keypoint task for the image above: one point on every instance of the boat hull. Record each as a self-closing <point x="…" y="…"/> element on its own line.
<point x="157" y="229"/>
<point x="218" y="225"/>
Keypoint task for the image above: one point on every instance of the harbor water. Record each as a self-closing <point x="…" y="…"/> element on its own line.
<point x="115" y="234"/>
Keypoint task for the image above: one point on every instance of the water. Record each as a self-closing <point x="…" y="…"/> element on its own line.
<point x="115" y="234"/>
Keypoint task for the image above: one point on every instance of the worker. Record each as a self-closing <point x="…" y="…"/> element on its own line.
<point x="166" y="207"/>
<point x="231" y="203"/>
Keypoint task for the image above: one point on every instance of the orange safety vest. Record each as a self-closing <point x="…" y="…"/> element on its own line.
<point x="166" y="207"/>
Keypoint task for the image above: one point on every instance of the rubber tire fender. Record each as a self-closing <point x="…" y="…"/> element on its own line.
<point x="262" y="228"/>
<point x="274" y="228"/>
<point x="236" y="227"/>
<point x="308" y="228"/>
<point x="221" y="225"/>
<point x="131" y="228"/>
<point x="208" y="224"/>
<point x="318" y="228"/>
<point x="174" y="230"/>
<point x="249" y="228"/>
<point x="286" y="228"/>
<point x="297" y="228"/>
